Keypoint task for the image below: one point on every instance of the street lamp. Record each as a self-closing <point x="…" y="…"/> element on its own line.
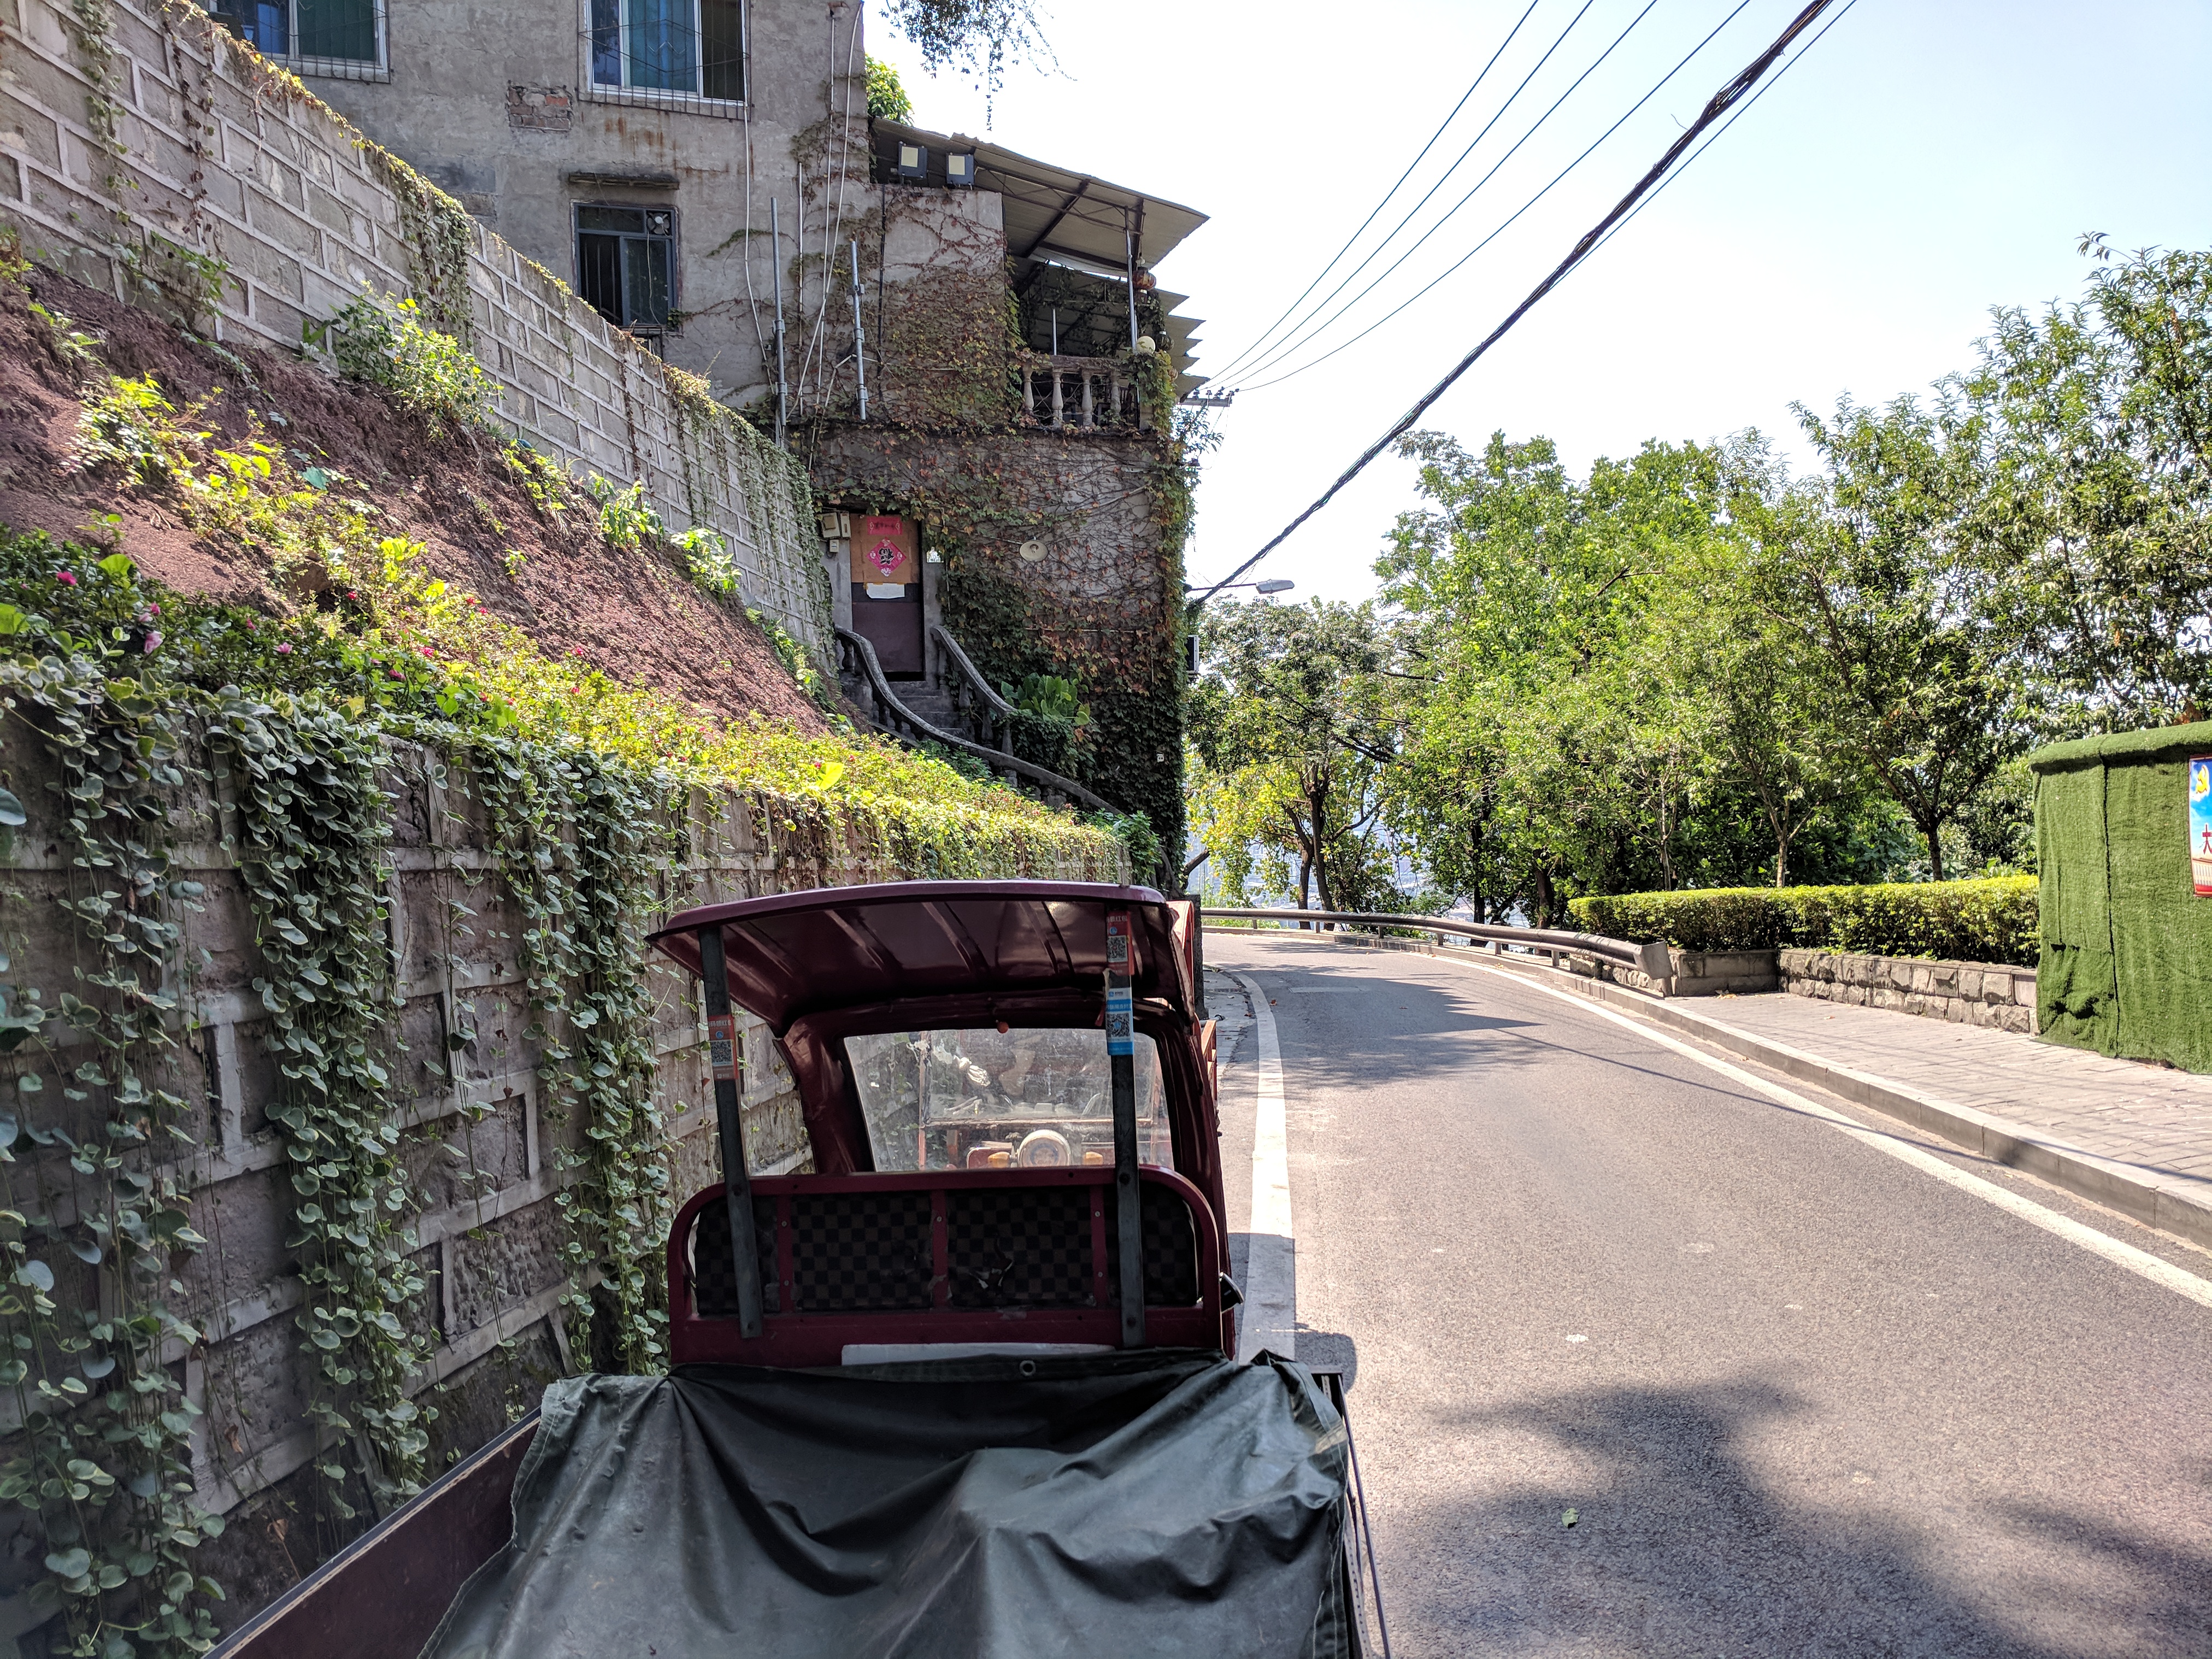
<point x="1269" y="588"/>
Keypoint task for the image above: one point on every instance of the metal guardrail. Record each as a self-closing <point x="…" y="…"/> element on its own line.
<point x="1653" y="960"/>
<point x="855" y="655"/>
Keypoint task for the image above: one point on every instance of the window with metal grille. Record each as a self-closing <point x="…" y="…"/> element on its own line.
<point x="695" y="46"/>
<point x="331" y="36"/>
<point x="626" y="263"/>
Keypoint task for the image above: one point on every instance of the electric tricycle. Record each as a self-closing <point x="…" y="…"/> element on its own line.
<point x="961" y="1384"/>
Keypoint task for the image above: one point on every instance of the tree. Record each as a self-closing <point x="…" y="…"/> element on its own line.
<point x="1866" y="572"/>
<point x="1284" y="724"/>
<point x="2094" y="505"/>
<point x="887" y="99"/>
<point x="979" y="39"/>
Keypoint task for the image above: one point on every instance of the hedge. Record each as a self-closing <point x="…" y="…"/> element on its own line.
<point x="1992" y="920"/>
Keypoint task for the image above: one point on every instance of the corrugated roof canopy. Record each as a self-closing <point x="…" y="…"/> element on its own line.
<point x="1063" y="217"/>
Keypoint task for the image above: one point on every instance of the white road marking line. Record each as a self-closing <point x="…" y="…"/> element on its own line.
<point x="2156" y="1269"/>
<point x="1269" y="1318"/>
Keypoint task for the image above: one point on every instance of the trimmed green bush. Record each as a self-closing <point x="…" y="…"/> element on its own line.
<point x="1990" y="921"/>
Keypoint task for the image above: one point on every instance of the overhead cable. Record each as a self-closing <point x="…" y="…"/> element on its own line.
<point x="1395" y="188"/>
<point x="1284" y="349"/>
<point x="1718" y="106"/>
<point x="1507" y="224"/>
<point x="1446" y="173"/>
<point x="1691" y="160"/>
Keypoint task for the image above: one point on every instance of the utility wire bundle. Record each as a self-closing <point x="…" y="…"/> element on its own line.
<point x="1729" y="101"/>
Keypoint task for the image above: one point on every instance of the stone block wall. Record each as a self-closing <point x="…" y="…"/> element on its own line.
<point x="168" y="164"/>
<point x="479" y="1138"/>
<point x="1969" y="993"/>
<point x="1098" y="597"/>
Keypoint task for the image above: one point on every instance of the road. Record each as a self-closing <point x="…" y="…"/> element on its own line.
<point x="1801" y="1397"/>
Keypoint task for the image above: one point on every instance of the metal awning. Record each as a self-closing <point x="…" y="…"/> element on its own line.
<point x="1060" y="216"/>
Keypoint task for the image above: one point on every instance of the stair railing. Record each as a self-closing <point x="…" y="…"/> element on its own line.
<point x="971" y="693"/>
<point x="857" y="658"/>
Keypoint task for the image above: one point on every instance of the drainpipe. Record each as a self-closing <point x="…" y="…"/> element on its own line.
<point x="1132" y="243"/>
<point x="783" y="388"/>
<point x="859" y="338"/>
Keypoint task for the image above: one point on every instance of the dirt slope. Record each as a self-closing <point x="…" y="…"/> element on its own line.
<point x="634" y="616"/>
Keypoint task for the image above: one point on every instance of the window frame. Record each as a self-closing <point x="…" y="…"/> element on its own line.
<point x="322" y="65"/>
<point x="696" y="103"/>
<point x="649" y="332"/>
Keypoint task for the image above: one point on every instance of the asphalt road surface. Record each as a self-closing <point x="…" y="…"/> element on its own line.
<point x="1800" y="1396"/>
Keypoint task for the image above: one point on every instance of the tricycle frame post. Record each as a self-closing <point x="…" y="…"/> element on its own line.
<point x="1121" y="1058"/>
<point x="729" y="1098"/>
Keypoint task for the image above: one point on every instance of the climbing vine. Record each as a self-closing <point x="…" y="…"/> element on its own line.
<point x="103" y="109"/>
<point x="438" y="235"/>
<point x="96" y="1220"/>
<point x="313" y="828"/>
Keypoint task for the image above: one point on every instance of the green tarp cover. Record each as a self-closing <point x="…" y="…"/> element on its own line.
<point x="1147" y="1502"/>
<point x="2126" y="965"/>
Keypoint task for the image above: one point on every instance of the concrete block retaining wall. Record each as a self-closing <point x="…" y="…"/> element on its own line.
<point x="227" y="158"/>
<point x="481" y="1143"/>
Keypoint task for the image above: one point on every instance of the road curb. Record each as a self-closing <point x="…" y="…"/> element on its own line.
<point x="2166" y="1203"/>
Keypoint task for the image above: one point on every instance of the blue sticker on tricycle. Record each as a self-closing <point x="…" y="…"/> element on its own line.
<point x="1120" y="1022"/>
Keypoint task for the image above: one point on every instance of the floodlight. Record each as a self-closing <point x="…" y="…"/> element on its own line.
<point x="913" y="161"/>
<point x="960" y="171"/>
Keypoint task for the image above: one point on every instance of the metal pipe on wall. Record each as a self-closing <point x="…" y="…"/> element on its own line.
<point x="776" y="258"/>
<point x="1131" y="241"/>
<point x="859" y="336"/>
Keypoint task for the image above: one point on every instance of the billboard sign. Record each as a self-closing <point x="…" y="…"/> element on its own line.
<point x="2200" y="823"/>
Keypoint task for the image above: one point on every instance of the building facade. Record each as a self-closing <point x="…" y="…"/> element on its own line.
<point x="953" y="334"/>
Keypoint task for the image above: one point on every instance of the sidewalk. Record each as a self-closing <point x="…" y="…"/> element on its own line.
<point x="2133" y="1137"/>
<point x="2136" y="1138"/>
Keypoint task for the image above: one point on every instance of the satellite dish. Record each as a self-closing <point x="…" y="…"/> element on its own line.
<point x="1033" y="552"/>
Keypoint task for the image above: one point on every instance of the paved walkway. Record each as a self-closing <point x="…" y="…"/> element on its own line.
<point x="2134" y="1136"/>
<point x="2140" y="1114"/>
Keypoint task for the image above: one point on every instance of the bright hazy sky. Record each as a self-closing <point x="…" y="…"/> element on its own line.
<point x="1927" y="160"/>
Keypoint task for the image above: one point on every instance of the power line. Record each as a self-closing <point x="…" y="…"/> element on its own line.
<point x="1717" y="106"/>
<point x="1447" y="271"/>
<point x="1446" y="173"/>
<point x="1691" y="160"/>
<point x="1393" y="190"/>
<point x="1284" y="350"/>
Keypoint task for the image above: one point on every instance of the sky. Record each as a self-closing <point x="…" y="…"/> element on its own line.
<point x="1927" y="160"/>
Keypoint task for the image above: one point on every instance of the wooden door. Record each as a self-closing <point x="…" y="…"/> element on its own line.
<point x="886" y="571"/>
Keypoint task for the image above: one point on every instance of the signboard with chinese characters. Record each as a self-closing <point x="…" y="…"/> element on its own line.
<point x="2200" y="823"/>
<point x="884" y="551"/>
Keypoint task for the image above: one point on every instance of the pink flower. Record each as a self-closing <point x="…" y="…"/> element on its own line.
<point x="65" y="578"/>
<point x="351" y="594"/>
<point x="153" y="640"/>
<point x="284" y="650"/>
<point x="249" y="624"/>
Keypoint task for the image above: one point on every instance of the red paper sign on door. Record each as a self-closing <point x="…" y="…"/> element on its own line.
<point x="883" y="550"/>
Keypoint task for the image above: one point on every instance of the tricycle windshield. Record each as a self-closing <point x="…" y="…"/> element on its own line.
<point x="986" y="1099"/>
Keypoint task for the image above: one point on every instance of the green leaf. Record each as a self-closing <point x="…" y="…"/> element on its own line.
<point x="69" y="1563"/>
<point x="315" y="477"/>
<point x="12" y="815"/>
<point x="12" y="620"/>
<point x="118" y="567"/>
<point x="36" y="1274"/>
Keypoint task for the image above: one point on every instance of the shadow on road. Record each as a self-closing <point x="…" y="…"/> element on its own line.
<point x="1680" y="1548"/>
